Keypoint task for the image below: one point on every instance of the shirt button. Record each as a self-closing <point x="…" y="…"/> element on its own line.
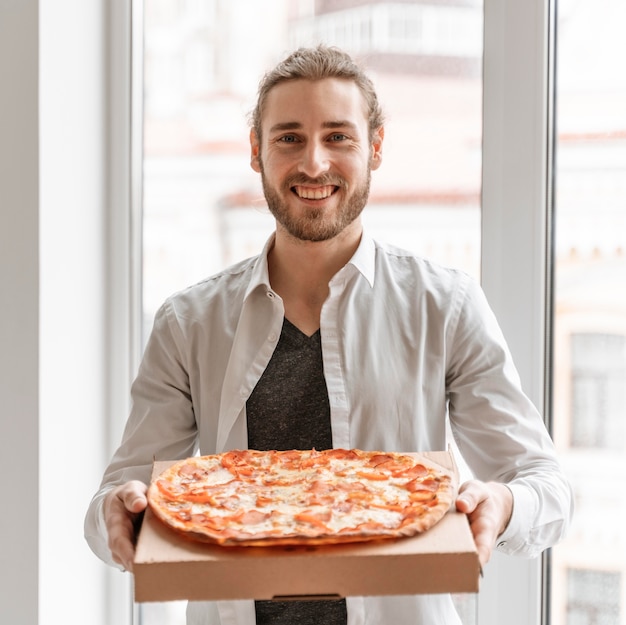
<point x="272" y="338"/>
<point x="502" y="543"/>
<point x="270" y="294"/>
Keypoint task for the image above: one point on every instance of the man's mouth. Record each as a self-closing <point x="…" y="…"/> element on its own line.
<point x="314" y="193"/>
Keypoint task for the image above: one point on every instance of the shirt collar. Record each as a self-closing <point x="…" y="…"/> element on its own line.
<point x="260" y="272"/>
<point x="363" y="260"/>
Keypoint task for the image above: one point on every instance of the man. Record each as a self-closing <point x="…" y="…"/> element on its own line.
<point x="328" y="338"/>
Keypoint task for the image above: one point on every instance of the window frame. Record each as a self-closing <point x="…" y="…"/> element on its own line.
<point x="516" y="236"/>
<point x="123" y="247"/>
<point x="516" y="270"/>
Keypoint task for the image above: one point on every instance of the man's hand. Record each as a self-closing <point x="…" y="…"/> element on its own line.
<point x="488" y="506"/>
<point x="122" y="507"/>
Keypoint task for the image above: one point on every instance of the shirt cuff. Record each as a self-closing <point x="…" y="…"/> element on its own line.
<point x="514" y="538"/>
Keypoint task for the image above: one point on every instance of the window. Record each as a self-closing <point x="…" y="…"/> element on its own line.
<point x="589" y="380"/>
<point x="593" y="597"/>
<point x="598" y="391"/>
<point x="203" y="206"/>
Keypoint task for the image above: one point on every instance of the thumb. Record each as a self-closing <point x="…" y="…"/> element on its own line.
<point x="468" y="498"/>
<point x="135" y="499"/>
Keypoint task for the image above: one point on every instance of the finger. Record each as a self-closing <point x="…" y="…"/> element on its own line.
<point x="484" y="538"/>
<point x="121" y="541"/>
<point x="122" y="508"/>
<point x="134" y="497"/>
<point x="476" y="501"/>
<point x="121" y="535"/>
<point x="123" y="552"/>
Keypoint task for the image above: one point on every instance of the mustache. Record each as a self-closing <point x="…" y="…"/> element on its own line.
<point x="323" y="180"/>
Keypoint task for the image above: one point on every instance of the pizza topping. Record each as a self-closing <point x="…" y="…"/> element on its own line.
<point x="247" y="497"/>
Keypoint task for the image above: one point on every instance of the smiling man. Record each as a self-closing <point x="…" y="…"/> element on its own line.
<point x="330" y="339"/>
<point x="316" y="168"/>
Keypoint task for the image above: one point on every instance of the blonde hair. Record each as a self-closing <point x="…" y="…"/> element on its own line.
<point x="316" y="64"/>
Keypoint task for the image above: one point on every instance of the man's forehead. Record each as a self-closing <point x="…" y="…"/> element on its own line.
<point x="330" y="125"/>
<point x="339" y="102"/>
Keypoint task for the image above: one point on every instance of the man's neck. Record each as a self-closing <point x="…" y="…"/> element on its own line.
<point x="301" y="270"/>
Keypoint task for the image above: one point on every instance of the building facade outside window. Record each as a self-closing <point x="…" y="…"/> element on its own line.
<point x="598" y="391"/>
<point x="589" y="377"/>
<point x="593" y="597"/>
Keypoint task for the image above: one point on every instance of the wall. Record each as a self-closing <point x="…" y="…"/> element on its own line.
<point x="72" y="281"/>
<point x="53" y="279"/>
<point x="19" y="312"/>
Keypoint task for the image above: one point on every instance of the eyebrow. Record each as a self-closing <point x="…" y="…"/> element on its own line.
<point x="282" y="126"/>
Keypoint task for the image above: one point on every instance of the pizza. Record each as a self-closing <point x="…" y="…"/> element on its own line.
<point x="301" y="497"/>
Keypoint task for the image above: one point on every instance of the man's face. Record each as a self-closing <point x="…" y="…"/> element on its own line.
<point x="315" y="156"/>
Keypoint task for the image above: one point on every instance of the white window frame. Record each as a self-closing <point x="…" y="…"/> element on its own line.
<point x="516" y="239"/>
<point x="515" y="230"/>
<point x="124" y="293"/>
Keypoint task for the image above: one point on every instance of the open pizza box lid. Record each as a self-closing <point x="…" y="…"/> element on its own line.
<point x="169" y="567"/>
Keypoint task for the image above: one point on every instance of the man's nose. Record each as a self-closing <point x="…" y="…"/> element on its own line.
<point x="314" y="159"/>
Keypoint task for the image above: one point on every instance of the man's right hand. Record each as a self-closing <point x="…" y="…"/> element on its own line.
<point x="121" y="508"/>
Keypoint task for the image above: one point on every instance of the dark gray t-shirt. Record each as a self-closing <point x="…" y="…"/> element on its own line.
<point x="289" y="409"/>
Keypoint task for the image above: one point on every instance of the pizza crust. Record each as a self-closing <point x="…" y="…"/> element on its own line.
<point x="301" y="497"/>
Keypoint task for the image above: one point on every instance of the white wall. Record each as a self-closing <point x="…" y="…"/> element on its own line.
<point x="54" y="233"/>
<point x="72" y="292"/>
<point x="19" y="311"/>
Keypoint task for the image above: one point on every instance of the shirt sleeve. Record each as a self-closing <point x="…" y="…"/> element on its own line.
<point x="499" y="432"/>
<point x="161" y="424"/>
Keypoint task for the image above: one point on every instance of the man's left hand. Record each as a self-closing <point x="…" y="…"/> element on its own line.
<point x="488" y="506"/>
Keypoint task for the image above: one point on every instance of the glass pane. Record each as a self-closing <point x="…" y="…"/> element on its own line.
<point x="598" y="390"/>
<point x="203" y="204"/>
<point x="593" y="597"/>
<point x="590" y="309"/>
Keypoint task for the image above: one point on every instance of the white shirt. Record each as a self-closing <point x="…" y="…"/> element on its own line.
<point x="406" y="345"/>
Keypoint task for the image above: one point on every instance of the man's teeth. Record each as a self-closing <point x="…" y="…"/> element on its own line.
<point x="314" y="193"/>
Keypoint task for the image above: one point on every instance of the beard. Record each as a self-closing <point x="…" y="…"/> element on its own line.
<point x="315" y="224"/>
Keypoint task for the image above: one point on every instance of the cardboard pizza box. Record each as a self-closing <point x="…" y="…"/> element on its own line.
<point x="170" y="567"/>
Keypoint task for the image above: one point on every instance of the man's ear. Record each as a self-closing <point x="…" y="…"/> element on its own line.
<point x="377" y="148"/>
<point x="255" y="150"/>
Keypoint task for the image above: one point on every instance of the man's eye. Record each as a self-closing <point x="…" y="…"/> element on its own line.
<point x="338" y="136"/>
<point x="288" y="139"/>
